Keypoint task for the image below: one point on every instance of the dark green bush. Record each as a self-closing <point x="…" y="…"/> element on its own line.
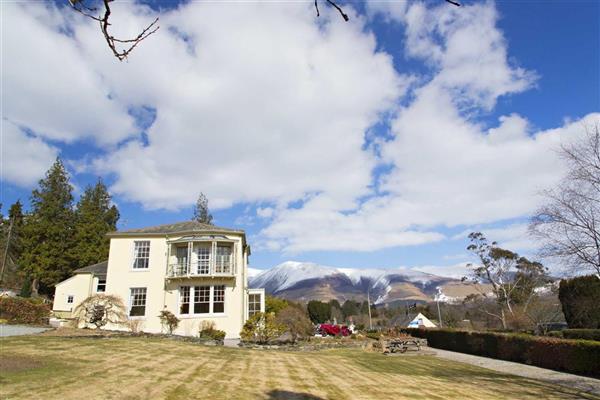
<point x="23" y="310"/>
<point x="586" y="334"/>
<point x="579" y="298"/>
<point x="574" y="356"/>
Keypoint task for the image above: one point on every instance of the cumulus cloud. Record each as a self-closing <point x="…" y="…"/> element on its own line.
<point x="448" y="169"/>
<point x="48" y="84"/>
<point x="267" y="105"/>
<point x="25" y="157"/>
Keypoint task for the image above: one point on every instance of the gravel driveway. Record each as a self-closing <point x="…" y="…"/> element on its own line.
<point x="18" y="330"/>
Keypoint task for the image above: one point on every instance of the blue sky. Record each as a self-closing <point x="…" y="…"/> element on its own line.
<point x="375" y="143"/>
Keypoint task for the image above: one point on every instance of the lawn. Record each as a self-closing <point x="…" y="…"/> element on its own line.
<point x="49" y="367"/>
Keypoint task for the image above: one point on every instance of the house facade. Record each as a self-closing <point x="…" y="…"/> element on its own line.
<point x="199" y="272"/>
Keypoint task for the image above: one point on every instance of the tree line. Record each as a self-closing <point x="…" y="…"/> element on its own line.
<point x="55" y="236"/>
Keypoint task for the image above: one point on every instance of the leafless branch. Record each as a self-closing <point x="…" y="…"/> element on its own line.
<point x="103" y="19"/>
<point x="455" y="3"/>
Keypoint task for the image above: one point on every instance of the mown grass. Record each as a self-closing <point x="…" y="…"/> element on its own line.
<point x="143" y="368"/>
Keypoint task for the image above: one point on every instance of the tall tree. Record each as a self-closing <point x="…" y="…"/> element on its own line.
<point x="568" y="225"/>
<point x="513" y="278"/>
<point x="201" y="212"/>
<point x="11" y="245"/>
<point x="95" y="216"/>
<point x="48" y="231"/>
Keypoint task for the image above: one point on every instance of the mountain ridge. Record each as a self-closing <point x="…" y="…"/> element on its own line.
<point x="304" y="281"/>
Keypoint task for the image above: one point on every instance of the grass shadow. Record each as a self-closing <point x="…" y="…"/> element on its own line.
<point x="289" y="395"/>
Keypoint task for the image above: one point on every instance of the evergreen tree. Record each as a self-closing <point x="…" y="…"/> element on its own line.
<point x="94" y="218"/>
<point x="350" y="308"/>
<point x="201" y="212"/>
<point x="46" y="258"/>
<point x="11" y="245"/>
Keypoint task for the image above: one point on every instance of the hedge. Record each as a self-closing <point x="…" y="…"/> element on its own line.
<point x="574" y="356"/>
<point x="587" y="334"/>
<point x="23" y="311"/>
<point x="579" y="298"/>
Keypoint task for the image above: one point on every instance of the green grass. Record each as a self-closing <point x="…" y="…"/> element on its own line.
<point x="141" y="368"/>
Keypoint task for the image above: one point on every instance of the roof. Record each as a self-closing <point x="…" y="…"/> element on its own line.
<point x="178" y="227"/>
<point x="406" y="319"/>
<point x="96" y="269"/>
<point x="403" y="320"/>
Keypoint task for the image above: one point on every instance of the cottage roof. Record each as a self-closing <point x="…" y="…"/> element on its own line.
<point x="96" y="269"/>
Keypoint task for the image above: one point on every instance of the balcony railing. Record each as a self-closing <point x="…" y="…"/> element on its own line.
<point x="222" y="267"/>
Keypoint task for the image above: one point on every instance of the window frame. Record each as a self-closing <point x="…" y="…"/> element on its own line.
<point x="254" y="303"/>
<point x="70" y="299"/>
<point x="135" y="256"/>
<point x="132" y="299"/>
<point x="193" y="297"/>
<point x="98" y="284"/>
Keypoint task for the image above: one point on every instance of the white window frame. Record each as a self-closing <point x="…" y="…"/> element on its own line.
<point x="131" y="297"/>
<point x="135" y="256"/>
<point x="98" y="285"/>
<point x="211" y="301"/>
<point x="254" y="303"/>
<point x="203" y="264"/>
<point x="71" y="298"/>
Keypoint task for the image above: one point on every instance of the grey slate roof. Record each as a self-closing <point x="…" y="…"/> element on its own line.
<point x="96" y="269"/>
<point x="178" y="227"/>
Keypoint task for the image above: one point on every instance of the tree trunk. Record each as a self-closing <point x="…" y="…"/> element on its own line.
<point x="503" y="319"/>
<point x="35" y="285"/>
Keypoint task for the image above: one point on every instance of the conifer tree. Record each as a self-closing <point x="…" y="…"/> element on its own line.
<point x="11" y="245"/>
<point x="46" y="257"/>
<point x="201" y="212"/>
<point x="94" y="218"/>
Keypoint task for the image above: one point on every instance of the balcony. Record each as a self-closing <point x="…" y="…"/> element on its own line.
<point x="223" y="267"/>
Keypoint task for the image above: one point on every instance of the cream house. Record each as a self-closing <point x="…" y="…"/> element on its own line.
<point x="199" y="272"/>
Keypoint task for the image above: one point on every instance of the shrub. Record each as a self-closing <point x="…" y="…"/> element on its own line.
<point x="579" y="298"/>
<point x="275" y="304"/>
<point x="169" y="320"/>
<point x="135" y="325"/>
<point x="261" y="328"/>
<point x="586" y="334"/>
<point x="295" y="321"/>
<point x="318" y="311"/>
<point x="574" y="356"/>
<point x="23" y="311"/>
<point x="99" y="310"/>
<point x="208" y="331"/>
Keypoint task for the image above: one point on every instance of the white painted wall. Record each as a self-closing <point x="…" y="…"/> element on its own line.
<point x="80" y="286"/>
<point x="164" y="294"/>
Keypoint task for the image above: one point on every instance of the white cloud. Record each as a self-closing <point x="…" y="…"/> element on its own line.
<point x="456" y="271"/>
<point x="448" y="169"/>
<point x="49" y="86"/>
<point x="514" y="237"/>
<point x="24" y="158"/>
<point x="267" y="104"/>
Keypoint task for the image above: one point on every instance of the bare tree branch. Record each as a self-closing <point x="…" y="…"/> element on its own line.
<point x="567" y="224"/>
<point x="103" y="19"/>
<point x="122" y="54"/>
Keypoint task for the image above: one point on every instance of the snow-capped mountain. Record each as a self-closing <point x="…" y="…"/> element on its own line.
<point x="303" y="281"/>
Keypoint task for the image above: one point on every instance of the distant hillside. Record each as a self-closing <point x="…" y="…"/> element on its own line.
<point x="308" y="281"/>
